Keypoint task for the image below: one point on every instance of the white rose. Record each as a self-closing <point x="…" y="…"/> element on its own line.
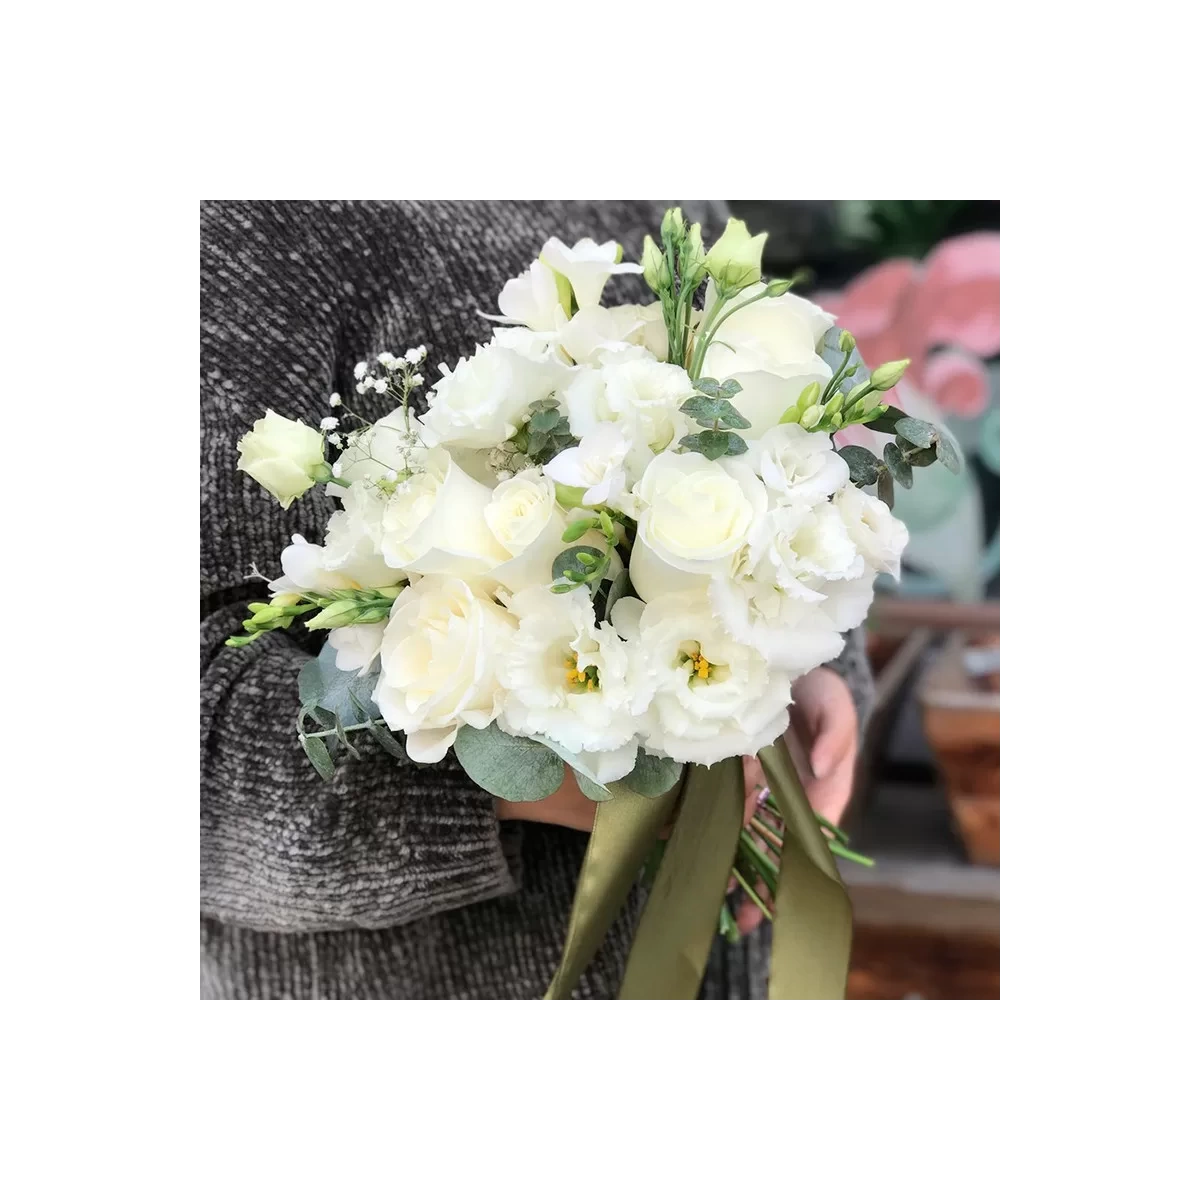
<point x="532" y="299"/>
<point x="352" y="539"/>
<point x="437" y="663"/>
<point x="435" y="523"/>
<point x="587" y="266"/>
<point x="357" y="646"/>
<point x="694" y="515"/>
<point x="879" y="536"/>
<point x="764" y="397"/>
<point x="567" y="679"/>
<point x="798" y="466"/>
<point x="638" y="394"/>
<point x="591" y="332"/>
<point x="596" y="465"/>
<point x="487" y="397"/>
<point x="281" y="455"/>
<point x="525" y="519"/>
<point x="780" y="334"/>
<point x="707" y="695"/>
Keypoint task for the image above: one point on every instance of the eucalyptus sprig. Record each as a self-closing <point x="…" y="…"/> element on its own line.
<point x="710" y="406"/>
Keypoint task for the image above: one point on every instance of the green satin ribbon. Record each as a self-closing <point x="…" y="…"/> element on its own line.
<point x="675" y="935"/>
<point x="811" y="943"/>
<point x="623" y="833"/>
<point x="810" y="952"/>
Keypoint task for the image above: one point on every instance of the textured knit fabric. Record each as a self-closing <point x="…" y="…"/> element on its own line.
<point x="392" y="881"/>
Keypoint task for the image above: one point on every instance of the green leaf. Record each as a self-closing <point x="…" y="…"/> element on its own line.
<point x="544" y="421"/>
<point x="901" y="471"/>
<point x="728" y="389"/>
<point x="920" y="433"/>
<point x="651" y="775"/>
<point x="947" y="453"/>
<point x="513" y="768"/>
<point x="885" y="489"/>
<point x="591" y="789"/>
<point x="383" y="736"/>
<point x="922" y="458"/>
<point x="577" y="563"/>
<point x="864" y="466"/>
<point x="706" y="410"/>
<point x="319" y="756"/>
<point x="737" y="445"/>
<point x="709" y="387"/>
<point x="711" y="443"/>
<point x="886" y="421"/>
<point x="322" y="685"/>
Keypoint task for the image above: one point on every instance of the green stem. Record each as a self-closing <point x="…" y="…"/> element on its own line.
<point x="766" y="912"/>
<point x="841" y="850"/>
<point x="324" y="733"/>
<point x="837" y="832"/>
<point x="836" y="378"/>
<point x="703" y="343"/>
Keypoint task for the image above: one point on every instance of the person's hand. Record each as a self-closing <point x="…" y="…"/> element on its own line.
<point x="823" y="741"/>
<point x="568" y="807"/>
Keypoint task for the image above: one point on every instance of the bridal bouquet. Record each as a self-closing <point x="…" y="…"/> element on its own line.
<point x="607" y="542"/>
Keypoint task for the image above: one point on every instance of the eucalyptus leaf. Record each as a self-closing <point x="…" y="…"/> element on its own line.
<point x="864" y="466"/>
<point x="900" y="470"/>
<point x="384" y="737"/>
<point x="318" y="755"/>
<point x="708" y="387"/>
<point x="947" y="453"/>
<point x="729" y="389"/>
<point x="885" y="489"/>
<point x="513" y="768"/>
<point x="591" y="789"/>
<point x="711" y="443"/>
<point x="920" y="433"/>
<point x="707" y="409"/>
<point x="924" y="458"/>
<point x="323" y="686"/>
<point x="651" y="775"/>
<point x="886" y="422"/>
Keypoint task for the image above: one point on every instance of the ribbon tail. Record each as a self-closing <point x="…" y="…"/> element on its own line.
<point x="810" y="954"/>
<point x="623" y="834"/>
<point x="671" y="947"/>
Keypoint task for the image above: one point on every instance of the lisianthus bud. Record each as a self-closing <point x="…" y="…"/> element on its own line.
<point x="691" y="260"/>
<point x="735" y="261"/>
<point x="846" y="341"/>
<point x="335" y="615"/>
<point x="778" y="287"/>
<point x="809" y="396"/>
<point x="282" y="456"/>
<point x="389" y="593"/>
<point x="672" y="225"/>
<point x="888" y="375"/>
<point x="654" y="268"/>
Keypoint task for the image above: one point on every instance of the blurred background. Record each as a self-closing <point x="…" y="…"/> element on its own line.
<point x="920" y="279"/>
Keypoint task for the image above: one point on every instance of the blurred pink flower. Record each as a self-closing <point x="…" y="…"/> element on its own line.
<point x="905" y="309"/>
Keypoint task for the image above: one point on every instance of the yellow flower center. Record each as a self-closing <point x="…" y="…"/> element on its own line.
<point x="586" y="679"/>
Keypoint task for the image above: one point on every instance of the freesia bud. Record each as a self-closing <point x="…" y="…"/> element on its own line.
<point x="835" y="403"/>
<point x="846" y="341"/>
<point x="887" y="376"/>
<point x="809" y="396"/>
<point x="810" y="418"/>
<point x="735" y="261"/>
<point x="335" y="615"/>
<point x="285" y="599"/>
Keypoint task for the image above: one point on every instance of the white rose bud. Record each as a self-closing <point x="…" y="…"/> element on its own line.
<point x="281" y="455"/>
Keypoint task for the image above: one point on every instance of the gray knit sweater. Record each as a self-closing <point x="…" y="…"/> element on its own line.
<point x="393" y="881"/>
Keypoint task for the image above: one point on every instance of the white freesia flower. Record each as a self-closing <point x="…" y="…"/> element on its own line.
<point x="437" y="663"/>
<point x="638" y="394"/>
<point x="281" y="455"/>
<point x="596" y="465"/>
<point x="532" y="299"/>
<point x="780" y="334"/>
<point x="694" y="515"/>
<point x="525" y="519"/>
<point x="707" y="696"/>
<point x="567" y="679"/>
<point x="435" y="523"/>
<point x="879" y="536"/>
<point x="587" y="266"/>
<point x="357" y="646"/>
<point x="352" y="539"/>
<point x="541" y="346"/>
<point x="487" y="397"/>
<point x="592" y="332"/>
<point x="798" y="466"/>
<point x="304" y="569"/>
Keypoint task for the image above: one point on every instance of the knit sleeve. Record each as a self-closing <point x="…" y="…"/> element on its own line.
<point x="854" y="667"/>
<point x="383" y="843"/>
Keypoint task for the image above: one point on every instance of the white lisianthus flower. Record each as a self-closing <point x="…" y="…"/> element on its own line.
<point x="352" y="539"/>
<point x="847" y="601"/>
<point x="434" y="523"/>
<point x="437" y="663"/>
<point x="532" y="299"/>
<point x="798" y="466"/>
<point x="780" y="334"/>
<point x="596" y="465"/>
<point x="567" y="679"/>
<point x="591" y="332"/>
<point x="357" y="646"/>
<point x="525" y="519"/>
<point x="706" y="696"/>
<point x="638" y="394"/>
<point x="694" y="515"/>
<point x="797" y="548"/>
<point x="281" y="455"/>
<point x="487" y="397"/>
<point x="879" y="536"/>
<point x="587" y="266"/>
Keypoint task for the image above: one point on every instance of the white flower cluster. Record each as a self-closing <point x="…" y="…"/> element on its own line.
<point x="744" y="570"/>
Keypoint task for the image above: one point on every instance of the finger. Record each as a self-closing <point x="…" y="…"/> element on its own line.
<point x="756" y="784"/>
<point x="830" y="744"/>
<point x="830" y="794"/>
